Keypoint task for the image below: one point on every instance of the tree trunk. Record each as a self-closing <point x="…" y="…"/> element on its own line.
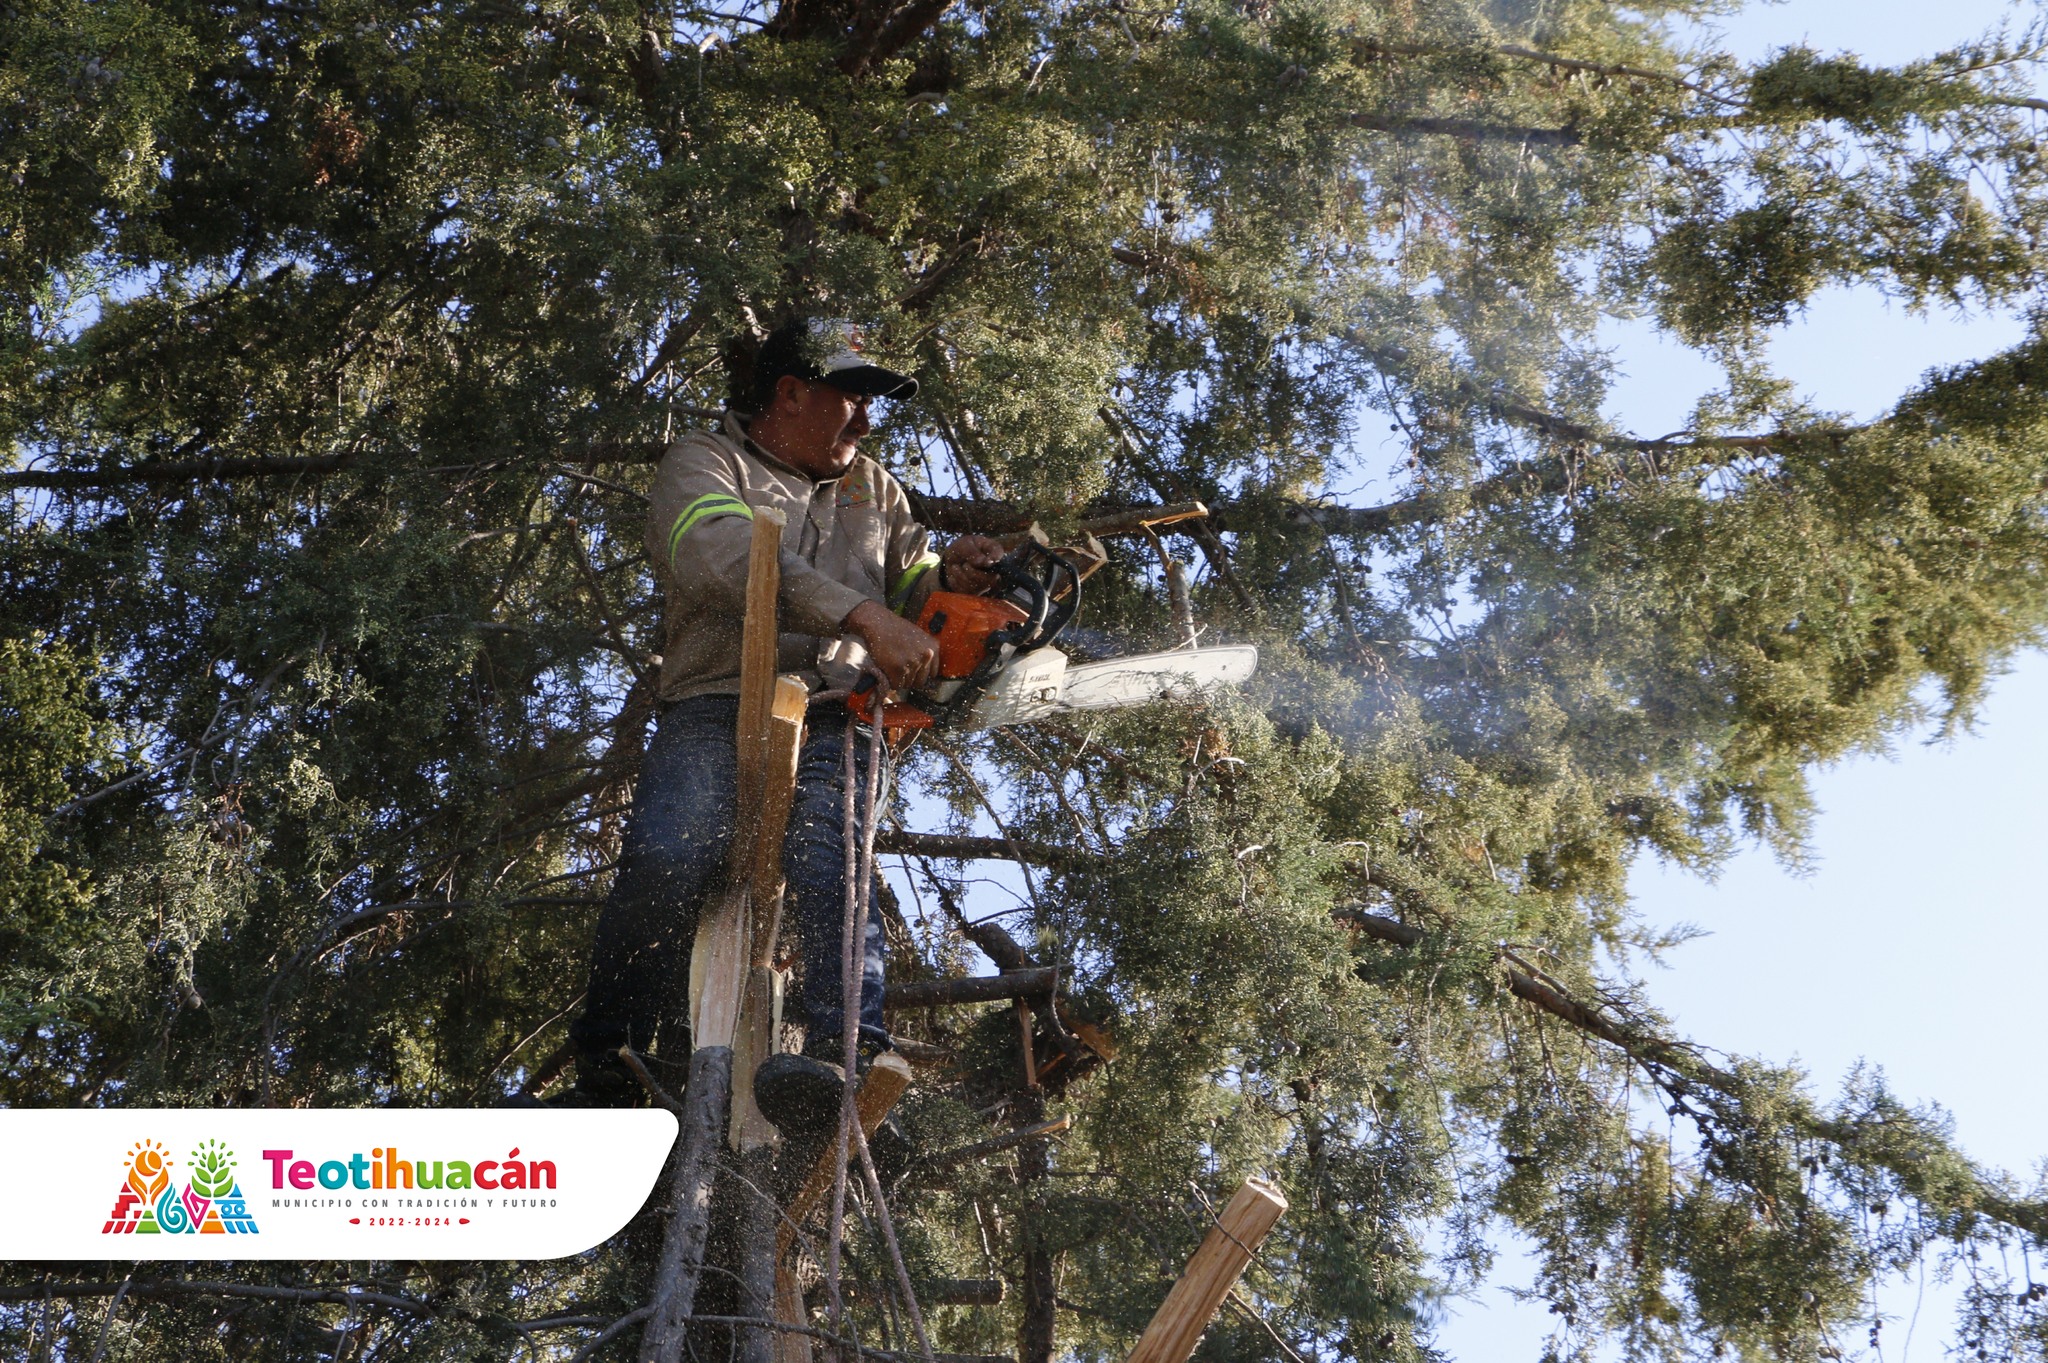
<point x="1034" y="1163"/>
<point x="758" y="1218"/>
<point x="698" y="1148"/>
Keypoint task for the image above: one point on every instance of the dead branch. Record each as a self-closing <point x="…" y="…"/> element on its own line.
<point x="997" y="1144"/>
<point x="967" y="847"/>
<point x="341" y="1296"/>
<point x="1656" y="1053"/>
<point x="1468" y="129"/>
<point x="1035" y="982"/>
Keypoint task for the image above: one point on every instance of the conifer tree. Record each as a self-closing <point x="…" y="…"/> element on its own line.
<point x="340" y="340"/>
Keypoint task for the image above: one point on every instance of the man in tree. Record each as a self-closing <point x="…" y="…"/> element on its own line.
<point x="854" y="564"/>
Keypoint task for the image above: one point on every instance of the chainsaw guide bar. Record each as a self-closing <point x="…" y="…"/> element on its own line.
<point x="1042" y="682"/>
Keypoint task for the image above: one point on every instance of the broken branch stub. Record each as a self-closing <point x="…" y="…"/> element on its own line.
<point x="1178" y="1324"/>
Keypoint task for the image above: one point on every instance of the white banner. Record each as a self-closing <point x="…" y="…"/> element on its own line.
<point x="383" y="1183"/>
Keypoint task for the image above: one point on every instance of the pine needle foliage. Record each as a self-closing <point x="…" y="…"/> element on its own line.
<point x="338" y="342"/>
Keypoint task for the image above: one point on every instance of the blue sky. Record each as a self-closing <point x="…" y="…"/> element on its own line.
<point x="1916" y="942"/>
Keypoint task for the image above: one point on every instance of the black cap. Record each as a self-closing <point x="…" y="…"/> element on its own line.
<point x="825" y="350"/>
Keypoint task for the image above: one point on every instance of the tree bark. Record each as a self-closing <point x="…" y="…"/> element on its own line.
<point x="705" y="1103"/>
<point x="1011" y="984"/>
<point x="759" y="1218"/>
<point x="1036" y="1327"/>
<point x="1468" y="129"/>
<point x="967" y="847"/>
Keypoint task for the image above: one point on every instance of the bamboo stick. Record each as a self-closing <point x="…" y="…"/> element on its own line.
<point x="1178" y="1324"/>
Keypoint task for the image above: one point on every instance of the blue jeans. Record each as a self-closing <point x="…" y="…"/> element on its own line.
<point x="673" y="860"/>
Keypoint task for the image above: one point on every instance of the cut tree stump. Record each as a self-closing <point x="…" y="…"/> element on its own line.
<point x="1178" y="1324"/>
<point x="884" y="1083"/>
<point x="761" y="1005"/>
<point x="718" y="971"/>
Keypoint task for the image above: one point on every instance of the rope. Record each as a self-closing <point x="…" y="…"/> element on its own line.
<point x="860" y="885"/>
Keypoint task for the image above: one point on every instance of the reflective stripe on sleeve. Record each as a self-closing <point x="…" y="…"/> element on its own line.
<point x="703" y="509"/>
<point x="900" y="593"/>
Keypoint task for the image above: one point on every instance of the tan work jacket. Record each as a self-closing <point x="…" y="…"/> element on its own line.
<point x="847" y="540"/>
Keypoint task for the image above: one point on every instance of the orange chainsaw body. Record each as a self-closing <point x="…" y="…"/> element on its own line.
<point x="977" y="635"/>
<point x="962" y="625"/>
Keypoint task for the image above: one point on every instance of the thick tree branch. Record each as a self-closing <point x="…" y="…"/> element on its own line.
<point x="1521" y="482"/>
<point x="341" y="1296"/>
<point x="876" y="42"/>
<point x="680" y="335"/>
<point x="1034" y="982"/>
<point x="1658" y="1053"/>
<point x="174" y="471"/>
<point x="1374" y="49"/>
<point x="995" y="1145"/>
<point x="1468" y="129"/>
<point x="965" y="847"/>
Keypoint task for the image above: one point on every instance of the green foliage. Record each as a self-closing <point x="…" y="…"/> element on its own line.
<point x="50" y="738"/>
<point x="338" y="344"/>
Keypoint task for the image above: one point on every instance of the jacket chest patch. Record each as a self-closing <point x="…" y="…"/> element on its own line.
<point x="856" y="489"/>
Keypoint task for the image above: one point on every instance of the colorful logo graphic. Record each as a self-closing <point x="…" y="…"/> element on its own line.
<point x="210" y="1203"/>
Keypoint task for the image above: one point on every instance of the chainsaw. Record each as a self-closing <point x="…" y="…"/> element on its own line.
<point x="997" y="665"/>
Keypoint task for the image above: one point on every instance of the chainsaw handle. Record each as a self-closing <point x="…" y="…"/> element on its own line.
<point x="868" y="694"/>
<point x="1047" y="614"/>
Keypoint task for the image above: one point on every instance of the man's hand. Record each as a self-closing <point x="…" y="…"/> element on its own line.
<point x="969" y="562"/>
<point x="905" y="654"/>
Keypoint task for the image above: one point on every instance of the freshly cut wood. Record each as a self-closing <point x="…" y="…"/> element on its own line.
<point x="880" y="1087"/>
<point x="790" y="1347"/>
<point x="725" y="934"/>
<point x="1029" y="1045"/>
<point x="778" y="792"/>
<point x="760" y="1023"/>
<point x="1178" y="1324"/>
<point x="759" y="634"/>
<point x="761" y="1006"/>
<point x="1011" y="984"/>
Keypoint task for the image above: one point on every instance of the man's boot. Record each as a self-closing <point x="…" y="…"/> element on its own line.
<point x="602" y="1080"/>
<point x="799" y="1093"/>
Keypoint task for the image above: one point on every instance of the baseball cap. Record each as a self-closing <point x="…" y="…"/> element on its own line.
<point x="826" y="350"/>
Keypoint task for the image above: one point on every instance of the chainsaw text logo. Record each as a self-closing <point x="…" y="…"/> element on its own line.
<point x="151" y="1201"/>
